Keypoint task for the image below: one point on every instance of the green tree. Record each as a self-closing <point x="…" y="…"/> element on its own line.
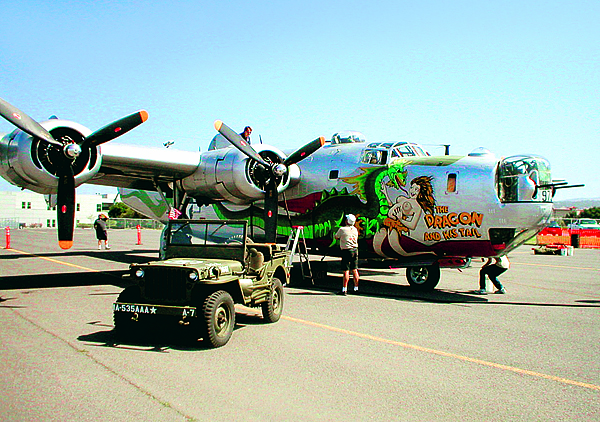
<point x="593" y="212"/>
<point x="121" y="210"/>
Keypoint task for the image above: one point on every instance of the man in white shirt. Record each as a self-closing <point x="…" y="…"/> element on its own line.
<point x="348" y="236"/>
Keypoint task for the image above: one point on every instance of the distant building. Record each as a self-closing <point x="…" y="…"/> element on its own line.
<point x="29" y="209"/>
<point x="563" y="211"/>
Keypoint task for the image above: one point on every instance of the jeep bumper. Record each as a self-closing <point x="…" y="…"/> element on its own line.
<point x="138" y="308"/>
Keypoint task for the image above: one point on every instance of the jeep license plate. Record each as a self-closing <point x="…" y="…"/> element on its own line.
<point x="154" y="309"/>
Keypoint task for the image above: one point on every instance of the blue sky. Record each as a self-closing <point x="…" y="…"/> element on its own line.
<point x="512" y="76"/>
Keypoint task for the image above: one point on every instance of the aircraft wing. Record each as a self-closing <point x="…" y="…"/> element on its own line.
<point x="136" y="167"/>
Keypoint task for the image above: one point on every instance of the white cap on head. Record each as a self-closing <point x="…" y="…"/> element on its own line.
<point x="350" y="219"/>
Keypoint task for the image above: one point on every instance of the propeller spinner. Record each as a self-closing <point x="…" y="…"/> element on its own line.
<point x="67" y="152"/>
<point x="273" y="172"/>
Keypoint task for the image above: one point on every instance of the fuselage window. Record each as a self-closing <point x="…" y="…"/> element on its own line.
<point x="451" y="185"/>
<point x="333" y="174"/>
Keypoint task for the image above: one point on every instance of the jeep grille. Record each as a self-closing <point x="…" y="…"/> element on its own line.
<point x="165" y="284"/>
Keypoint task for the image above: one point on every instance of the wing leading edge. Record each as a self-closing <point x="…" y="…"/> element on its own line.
<point x="136" y="167"/>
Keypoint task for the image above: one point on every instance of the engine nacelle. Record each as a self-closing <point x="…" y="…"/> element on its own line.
<point x="227" y="174"/>
<point x="30" y="163"/>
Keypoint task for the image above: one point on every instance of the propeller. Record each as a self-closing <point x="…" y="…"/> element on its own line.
<point x="67" y="152"/>
<point x="271" y="172"/>
<point x="25" y="123"/>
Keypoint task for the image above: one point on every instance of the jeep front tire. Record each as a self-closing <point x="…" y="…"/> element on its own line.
<point x="219" y="316"/>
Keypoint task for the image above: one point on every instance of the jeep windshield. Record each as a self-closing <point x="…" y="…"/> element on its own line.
<point x="206" y="232"/>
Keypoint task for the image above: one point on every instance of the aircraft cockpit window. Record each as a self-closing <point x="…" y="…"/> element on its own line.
<point x="374" y="157"/>
<point x="405" y="151"/>
<point x="347" y="137"/>
<point x="420" y="151"/>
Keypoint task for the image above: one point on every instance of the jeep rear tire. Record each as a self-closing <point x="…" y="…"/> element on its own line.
<point x="219" y="317"/>
<point x="273" y="307"/>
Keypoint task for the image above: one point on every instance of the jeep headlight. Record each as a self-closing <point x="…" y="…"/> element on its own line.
<point x="139" y="273"/>
<point x="193" y="275"/>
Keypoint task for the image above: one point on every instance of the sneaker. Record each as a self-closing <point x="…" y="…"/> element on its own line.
<point x="99" y="247"/>
<point x="107" y="247"/>
<point x="480" y="292"/>
<point x="501" y="291"/>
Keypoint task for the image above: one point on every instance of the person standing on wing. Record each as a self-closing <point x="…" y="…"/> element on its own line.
<point x="246" y="134"/>
<point x="348" y="236"/>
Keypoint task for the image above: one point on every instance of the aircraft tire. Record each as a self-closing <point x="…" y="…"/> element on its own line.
<point x="273" y="307"/>
<point x="219" y="317"/>
<point x="423" y="278"/>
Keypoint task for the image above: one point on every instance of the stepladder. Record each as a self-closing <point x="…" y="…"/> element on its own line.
<point x="296" y="244"/>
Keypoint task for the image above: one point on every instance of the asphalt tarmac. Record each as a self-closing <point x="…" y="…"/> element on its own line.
<point x="385" y="354"/>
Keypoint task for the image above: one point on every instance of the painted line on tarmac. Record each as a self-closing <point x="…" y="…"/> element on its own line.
<point x="445" y="354"/>
<point x="383" y="340"/>
<point x="68" y="264"/>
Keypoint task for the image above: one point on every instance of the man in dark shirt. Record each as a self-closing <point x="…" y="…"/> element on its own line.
<point x="101" y="231"/>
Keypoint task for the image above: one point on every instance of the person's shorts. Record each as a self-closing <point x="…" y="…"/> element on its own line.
<point x="349" y="259"/>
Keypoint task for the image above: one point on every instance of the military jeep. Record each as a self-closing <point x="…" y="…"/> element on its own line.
<point x="206" y="267"/>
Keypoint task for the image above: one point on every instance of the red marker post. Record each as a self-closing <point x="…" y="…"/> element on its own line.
<point x="139" y="234"/>
<point x="7" y="231"/>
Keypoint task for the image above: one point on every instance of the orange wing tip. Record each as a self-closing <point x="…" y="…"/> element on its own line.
<point x="218" y="125"/>
<point x="144" y="115"/>
<point x="322" y="139"/>
<point x="65" y="244"/>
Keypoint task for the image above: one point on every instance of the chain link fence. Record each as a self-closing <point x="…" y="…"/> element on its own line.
<point x="113" y="223"/>
<point x="132" y="223"/>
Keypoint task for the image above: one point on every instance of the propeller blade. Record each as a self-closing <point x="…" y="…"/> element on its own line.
<point x="237" y="141"/>
<point x="116" y="129"/>
<point x="270" y="212"/>
<point x="25" y="123"/>
<point x="305" y="151"/>
<point x="65" y="207"/>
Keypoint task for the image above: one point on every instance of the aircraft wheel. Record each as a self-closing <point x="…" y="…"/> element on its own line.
<point x="273" y="307"/>
<point x="423" y="278"/>
<point x="219" y="316"/>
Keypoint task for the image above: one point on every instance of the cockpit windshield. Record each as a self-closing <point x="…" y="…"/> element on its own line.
<point x="387" y="152"/>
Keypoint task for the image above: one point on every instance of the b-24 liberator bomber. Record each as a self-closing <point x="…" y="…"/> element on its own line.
<point x="208" y="266"/>
<point x="414" y="210"/>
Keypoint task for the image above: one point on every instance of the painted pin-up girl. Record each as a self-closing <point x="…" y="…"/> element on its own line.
<point x="404" y="214"/>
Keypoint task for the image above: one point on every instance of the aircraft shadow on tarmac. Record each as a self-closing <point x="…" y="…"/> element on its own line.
<point x="125" y="257"/>
<point x="153" y="338"/>
<point x="332" y="285"/>
<point x="41" y="281"/>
